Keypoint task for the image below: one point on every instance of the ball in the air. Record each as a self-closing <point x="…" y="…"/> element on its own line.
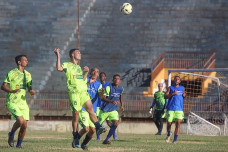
<point x="126" y="9"/>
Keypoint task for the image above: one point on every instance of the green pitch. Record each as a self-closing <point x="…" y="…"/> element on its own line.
<point x="54" y="141"/>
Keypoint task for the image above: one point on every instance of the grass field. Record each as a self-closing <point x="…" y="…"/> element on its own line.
<point x="55" y="141"/>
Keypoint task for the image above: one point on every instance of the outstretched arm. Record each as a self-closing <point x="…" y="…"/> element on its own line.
<point x="58" y="64"/>
<point x="85" y="72"/>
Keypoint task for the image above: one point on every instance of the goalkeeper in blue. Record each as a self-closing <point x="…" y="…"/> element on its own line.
<point x="175" y="94"/>
<point x="159" y="103"/>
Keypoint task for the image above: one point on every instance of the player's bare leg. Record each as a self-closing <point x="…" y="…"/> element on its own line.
<point x="115" y="123"/>
<point x="75" y="142"/>
<point x="177" y="130"/>
<point x="89" y="108"/>
<point x="109" y="123"/>
<point x="88" y="137"/>
<point x="21" y="134"/>
<point x="169" y="124"/>
<point x="19" y="121"/>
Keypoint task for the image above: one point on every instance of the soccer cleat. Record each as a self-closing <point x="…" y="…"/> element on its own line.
<point x="101" y="130"/>
<point x="106" y="142"/>
<point x="174" y="142"/>
<point x="158" y="133"/>
<point x="11" y="140"/>
<point x="18" y="147"/>
<point x="84" y="147"/>
<point x="168" y="138"/>
<point x="75" y="143"/>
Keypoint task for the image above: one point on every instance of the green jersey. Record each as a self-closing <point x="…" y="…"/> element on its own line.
<point x="74" y="76"/>
<point x="18" y="80"/>
<point x="159" y="100"/>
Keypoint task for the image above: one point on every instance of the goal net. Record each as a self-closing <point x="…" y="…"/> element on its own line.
<point x="206" y="99"/>
<point x="198" y="126"/>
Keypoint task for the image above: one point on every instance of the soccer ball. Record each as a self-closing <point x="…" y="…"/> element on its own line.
<point x="126" y="9"/>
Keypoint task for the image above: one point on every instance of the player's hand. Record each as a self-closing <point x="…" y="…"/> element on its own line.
<point x="16" y="91"/>
<point x="57" y="51"/>
<point x="114" y="102"/>
<point x="175" y="92"/>
<point x="32" y="92"/>
<point x="122" y="108"/>
<point x="86" y="69"/>
<point x="151" y="109"/>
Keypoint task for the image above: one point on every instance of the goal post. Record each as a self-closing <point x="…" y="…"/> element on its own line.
<point x="206" y="100"/>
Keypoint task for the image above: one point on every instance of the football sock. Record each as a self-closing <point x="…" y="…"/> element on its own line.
<point x="175" y="137"/>
<point x="111" y="131"/>
<point x="169" y="133"/>
<point x="19" y="141"/>
<point x="114" y="134"/>
<point x="75" y="134"/>
<point x="86" y="140"/>
<point x="97" y="125"/>
<point x="98" y="137"/>
<point x="12" y="133"/>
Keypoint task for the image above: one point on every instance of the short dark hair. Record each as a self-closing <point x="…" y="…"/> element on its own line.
<point x="18" y="58"/>
<point x="102" y="73"/>
<point x="93" y="69"/>
<point x="71" y="52"/>
<point x="116" y="75"/>
<point x="176" y="76"/>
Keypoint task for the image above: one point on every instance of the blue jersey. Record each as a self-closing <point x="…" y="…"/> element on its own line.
<point x="100" y="102"/>
<point x="175" y="103"/>
<point x="93" y="90"/>
<point x="112" y="93"/>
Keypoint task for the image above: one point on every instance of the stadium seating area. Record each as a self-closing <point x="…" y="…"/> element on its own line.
<point x="110" y="41"/>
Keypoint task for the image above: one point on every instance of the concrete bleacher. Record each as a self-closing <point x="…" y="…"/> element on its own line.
<point x="109" y="40"/>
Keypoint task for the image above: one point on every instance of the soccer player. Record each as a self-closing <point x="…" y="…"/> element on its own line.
<point x="94" y="89"/>
<point x="175" y="94"/>
<point x="159" y="103"/>
<point x="113" y="95"/>
<point x="104" y="85"/>
<point x="15" y="84"/>
<point x="77" y="90"/>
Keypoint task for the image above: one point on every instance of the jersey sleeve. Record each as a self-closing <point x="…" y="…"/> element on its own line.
<point x="122" y="91"/>
<point x="7" y="78"/>
<point x="29" y="80"/>
<point x="107" y="91"/>
<point x="64" y="66"/>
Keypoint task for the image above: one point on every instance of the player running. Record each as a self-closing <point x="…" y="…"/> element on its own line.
<point x="15" y="84"/>
<point x="77" y="90"/>
<point x="94" y="88"/>
<point x="175" y="94"/>
<point x="159" y="103"/>
<point x="104" y="85"/>
<point x="113" y="95"/>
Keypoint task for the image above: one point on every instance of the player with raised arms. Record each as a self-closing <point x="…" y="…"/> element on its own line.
<point x="77" y="90"/>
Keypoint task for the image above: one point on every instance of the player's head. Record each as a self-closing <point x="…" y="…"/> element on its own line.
<point x="116" y="79"/>
<point x="21" y="60"/>
<point x="177" y="80"/>
<point x="75" y="54"/>
<point x="94" y="72"/>
<point x="160" y="86"/>
<point x="102" y="77"/>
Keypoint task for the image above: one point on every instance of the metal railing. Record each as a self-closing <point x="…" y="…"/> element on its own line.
<point x="132" y="102"/>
